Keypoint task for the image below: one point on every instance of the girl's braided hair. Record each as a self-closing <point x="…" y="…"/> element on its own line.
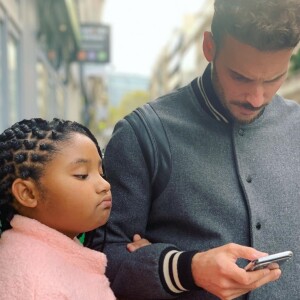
<point x="25" y="148"/>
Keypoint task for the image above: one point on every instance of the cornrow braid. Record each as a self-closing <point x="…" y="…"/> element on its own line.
<point x="25" y="148"/>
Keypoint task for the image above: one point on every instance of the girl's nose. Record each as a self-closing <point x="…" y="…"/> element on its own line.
<point x="102" y="185"/>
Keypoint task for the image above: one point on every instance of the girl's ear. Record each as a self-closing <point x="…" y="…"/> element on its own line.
<point x="209" y="47"/>
<point x="25" y="192"/>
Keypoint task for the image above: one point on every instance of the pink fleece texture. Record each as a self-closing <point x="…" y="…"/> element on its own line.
<point x="38" y="262"/>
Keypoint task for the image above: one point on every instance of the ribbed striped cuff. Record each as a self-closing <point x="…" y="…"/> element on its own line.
<point x="175" y="271"/>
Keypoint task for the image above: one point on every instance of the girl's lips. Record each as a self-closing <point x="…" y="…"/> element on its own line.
<point x="106" y="202"/>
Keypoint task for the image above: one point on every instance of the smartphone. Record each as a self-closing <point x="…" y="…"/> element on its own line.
<point x="265" y="261"/>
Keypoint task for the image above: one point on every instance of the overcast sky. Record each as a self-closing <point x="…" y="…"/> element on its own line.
<point x="141" y="28"/>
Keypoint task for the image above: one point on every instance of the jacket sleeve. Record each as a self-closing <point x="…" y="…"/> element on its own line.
<point x="144" y="273"/>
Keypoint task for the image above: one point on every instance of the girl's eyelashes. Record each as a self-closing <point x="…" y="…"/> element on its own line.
<point x="84" y="176"/>
<point x="81" y="176"/>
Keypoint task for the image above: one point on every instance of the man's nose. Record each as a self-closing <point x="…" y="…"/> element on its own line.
<point x="256" y="97"/>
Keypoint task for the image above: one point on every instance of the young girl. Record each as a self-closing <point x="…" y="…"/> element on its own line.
<point x="52" y="188"/>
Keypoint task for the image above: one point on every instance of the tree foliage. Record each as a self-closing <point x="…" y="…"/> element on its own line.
<point x="129" y="102"/>
<point x="295" y="62"/>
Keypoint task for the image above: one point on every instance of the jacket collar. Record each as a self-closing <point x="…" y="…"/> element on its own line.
<point x="209" y="101"/>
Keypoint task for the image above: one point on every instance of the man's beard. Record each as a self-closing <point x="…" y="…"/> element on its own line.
<point x="221" y="95"/>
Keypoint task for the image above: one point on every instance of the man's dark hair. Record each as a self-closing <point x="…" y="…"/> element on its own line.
<point x="25" y="149"/>
<point x="267" y="25"/>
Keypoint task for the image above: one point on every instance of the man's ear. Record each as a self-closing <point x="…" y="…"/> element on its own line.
<point x="209" y="47"/>
<point x="25" y="192"/>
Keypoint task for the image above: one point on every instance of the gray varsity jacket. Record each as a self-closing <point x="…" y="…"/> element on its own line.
<point x="228" y="183"/>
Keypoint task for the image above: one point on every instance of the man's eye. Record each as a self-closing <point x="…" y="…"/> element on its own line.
<point x="240" y="78"/>
<point x="80" y="176"/>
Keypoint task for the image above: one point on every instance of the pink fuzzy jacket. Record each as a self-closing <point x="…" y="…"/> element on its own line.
<point x="38" y="262"/>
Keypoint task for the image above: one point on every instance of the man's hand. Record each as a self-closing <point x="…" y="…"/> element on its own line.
<point x="137" y="243"/>
<point x="217" y="272"/>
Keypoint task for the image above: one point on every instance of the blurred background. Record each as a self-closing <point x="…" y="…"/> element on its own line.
<point x="94" y="61"/>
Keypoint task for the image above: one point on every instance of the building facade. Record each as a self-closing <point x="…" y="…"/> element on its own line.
<point x="39" y="70"/>
<point x="38" y="40"/>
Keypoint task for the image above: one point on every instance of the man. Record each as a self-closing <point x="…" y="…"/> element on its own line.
<point x="234" y="179"/>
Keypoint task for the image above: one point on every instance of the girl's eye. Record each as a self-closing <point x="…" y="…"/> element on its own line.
<point x="82" y="177"/>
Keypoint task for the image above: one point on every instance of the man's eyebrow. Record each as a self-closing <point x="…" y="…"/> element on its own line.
<point x="277" y="77"/>
<point x="239" y="75"/>
<point x="249" y="79"/>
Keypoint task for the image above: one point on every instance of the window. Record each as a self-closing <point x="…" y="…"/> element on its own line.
<point x="189" y="63"/>
<point x="1" y="56"/>
<point x="1" y="77"/>
<point x="13" y="78"/>
<point x="42" y="90"/>
<point x="59" y="105"/>
<point x="18" y="7"/>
